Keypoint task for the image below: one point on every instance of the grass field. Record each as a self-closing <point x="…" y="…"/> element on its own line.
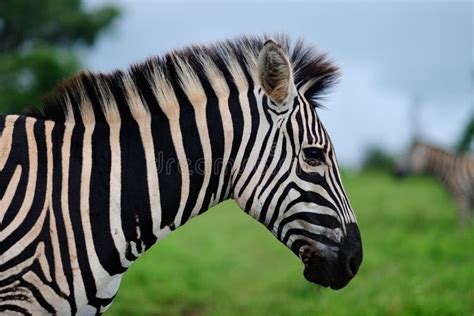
<point x="416" y="262"/>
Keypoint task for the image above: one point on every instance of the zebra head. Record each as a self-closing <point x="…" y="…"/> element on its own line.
<point x="294" y="187"/>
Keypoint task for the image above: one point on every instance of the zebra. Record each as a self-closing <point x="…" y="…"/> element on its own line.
<point x="112" y="163"/>
<point x="455" y="171"/>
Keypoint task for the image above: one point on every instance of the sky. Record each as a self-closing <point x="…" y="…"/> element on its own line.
<point x="404" y="63"/>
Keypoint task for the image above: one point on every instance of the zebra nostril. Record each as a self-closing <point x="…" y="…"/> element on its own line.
<point x="352" y="251"/>
<point x="351" y="266"/>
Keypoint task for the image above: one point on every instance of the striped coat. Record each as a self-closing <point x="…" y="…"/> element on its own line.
<point x="455" y="171"/>
<point x="114" y="162"/>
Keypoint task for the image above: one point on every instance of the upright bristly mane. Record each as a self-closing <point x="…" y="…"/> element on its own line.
<point x="98" y="96"/>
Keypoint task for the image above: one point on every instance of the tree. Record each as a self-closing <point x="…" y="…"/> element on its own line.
<point x="376" y="158"/>
<point x="38" y="40"/>
<point x="467" y="137"/>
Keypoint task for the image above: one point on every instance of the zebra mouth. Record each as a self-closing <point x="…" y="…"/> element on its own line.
<point x="333" y="268"/>
<point x="314" y="270"/>
<point x="324" y="272"/>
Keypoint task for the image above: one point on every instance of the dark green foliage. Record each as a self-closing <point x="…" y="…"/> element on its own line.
<point x="25" y="77"/>
<point x="37" y="43"/>
<point x="375" y="158"/>
<point x="466" y="141"/>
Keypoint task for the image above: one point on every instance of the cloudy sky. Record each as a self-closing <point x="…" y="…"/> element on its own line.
<point x="398" y="58"/>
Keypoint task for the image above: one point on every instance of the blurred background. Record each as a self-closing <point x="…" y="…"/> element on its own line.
<point x="408" y="70"/>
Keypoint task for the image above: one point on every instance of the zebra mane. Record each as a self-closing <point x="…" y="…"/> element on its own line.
<point x="191" y="70"/>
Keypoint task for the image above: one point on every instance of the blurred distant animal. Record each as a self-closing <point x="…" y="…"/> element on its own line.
<point x="456" y="172"/>
<point x="114" y="162"/>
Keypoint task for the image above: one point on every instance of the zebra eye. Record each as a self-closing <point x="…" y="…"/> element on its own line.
<point x="314" y="156"/>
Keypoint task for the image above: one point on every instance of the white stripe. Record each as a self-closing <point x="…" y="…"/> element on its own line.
<point x="152" y="173"/>
<point x="60" y="304"/>
<point x="143" y="118"/>
<point x="59" y="275"/>
<point x="6" y="139"/>
<point x="170" y="106"/>
<point x="222" y="91"/>
<point x="115" y="218"/>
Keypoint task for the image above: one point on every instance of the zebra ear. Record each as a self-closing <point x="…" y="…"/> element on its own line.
<point x="275" y="72"/>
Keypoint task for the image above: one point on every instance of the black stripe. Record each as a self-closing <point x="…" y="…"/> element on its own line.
<point x="99" y="201"/>
<point x="312" y="218"/>
<point x="254" y="127"/>
<point x="167" y="166"/>
<point x="215" y="131"/>
<point x="38" y="296"/>
<point x="257" y="163"/>
<point x="322" y="134"/>
<point x="237" y="117"/>
<point x="191" y="142"/>
<point x="57" y="136"/>
<point x="135" y="199"/>
<point x="14" y="308"/>
<point x="271" y="197"/>
<point x="281" y="161"/>
<point x="75" y="170"/>
<point x="306" y="123"/>
<point x="316" y="178"/>
<point x="299" y="123"/>
<point x="265" y="170"/>
<point x="316" y="237"/>
<point x="18" y="156"/>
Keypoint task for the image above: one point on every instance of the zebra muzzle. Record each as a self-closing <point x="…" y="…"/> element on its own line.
<point x="334" y="270"/>
<point x="314" y="270"/>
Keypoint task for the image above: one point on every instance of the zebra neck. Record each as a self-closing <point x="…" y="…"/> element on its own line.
<point x="148" y="176"/>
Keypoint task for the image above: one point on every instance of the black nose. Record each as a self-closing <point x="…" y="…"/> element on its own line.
<point x="352" y="250"/>
<point x="351" y="265"/>
<point x="335" y="271"/>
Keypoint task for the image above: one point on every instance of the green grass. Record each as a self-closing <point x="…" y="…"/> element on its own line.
<point x="417" y="261"/>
